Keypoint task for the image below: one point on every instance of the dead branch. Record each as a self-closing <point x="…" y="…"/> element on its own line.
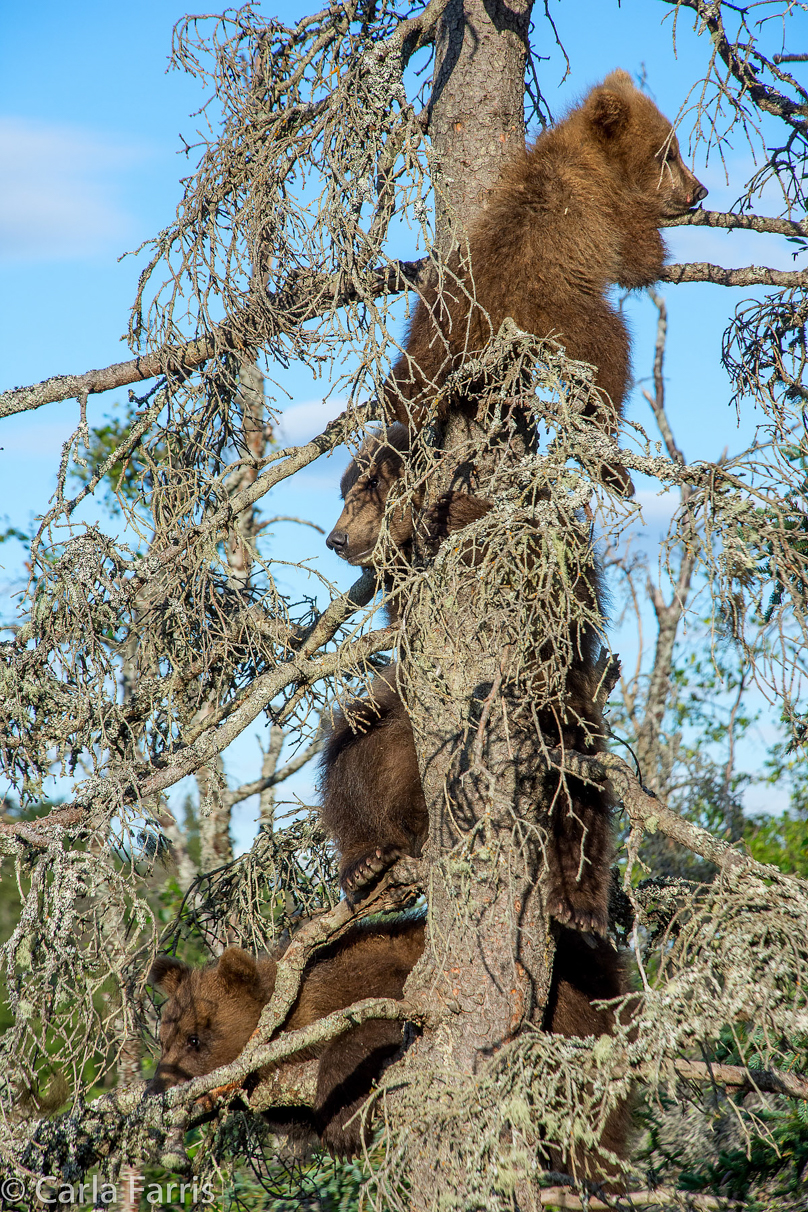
<point x="741" y="67"/>
<point x="219" y="728"/>
<point x="763" y="1081"/>
<point x="750" y="275"/>
<point x="732" y="222"/>
<point x="310" y="296"/>
<point x="649" y="814"/>
<point x="326" y="294"/>
<point x="661" y="1198"/>
<point x="340" y="1022"/>
<point x="668" y="615"/>
<point x="416" y="32"/>
<point x="263" y="784"/>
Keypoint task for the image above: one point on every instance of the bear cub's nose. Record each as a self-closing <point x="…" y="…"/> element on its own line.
<point x="337" y="541"/>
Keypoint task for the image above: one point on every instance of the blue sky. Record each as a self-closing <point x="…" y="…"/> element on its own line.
<point x="90" y="129"/>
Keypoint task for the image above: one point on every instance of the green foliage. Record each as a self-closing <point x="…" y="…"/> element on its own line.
<point x="774" y="1165"/>
<point x="322" y="1185"/>
<point x="783" y="840"/>
<point x="780" y="840"/>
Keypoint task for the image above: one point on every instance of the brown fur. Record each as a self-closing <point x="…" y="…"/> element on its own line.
<point x="212" y="1012"/>
<point x="372" y="802"/>
<point x="371" y="799"/>
<point x="575" y="214"/>
<point x="365" y="488"/>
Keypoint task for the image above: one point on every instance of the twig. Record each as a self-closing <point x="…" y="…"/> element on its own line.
<point x="220" y="728"/>
<point x="766" y="1081"/>
<point x="263" y="784"/>
<point x="740" y="66"/>
<point x="311" y="296"/>
<point x="563" y="1197"/>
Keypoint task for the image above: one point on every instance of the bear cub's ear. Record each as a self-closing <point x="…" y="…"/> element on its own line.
<point x="167" y="972"/>
<point x="238" y="970"/>
<point x="609" y="112"/>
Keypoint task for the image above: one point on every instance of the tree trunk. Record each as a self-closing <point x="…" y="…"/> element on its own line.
<point x="487" y="968"/>
<point x="477" y="108"/>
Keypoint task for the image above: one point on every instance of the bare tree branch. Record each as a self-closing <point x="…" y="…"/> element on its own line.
<point x="326" y="293"/>
<point x="308" y="296"/>
<point x="668" y="614"/>
<point x="751" y="275"/>
<point x="741" y="67"/>
<point x="661" y="1198"/>
<point x="764" y="1081"/>
<point x="649" y="814"/>
<point x="263" y="784"/>
<point x="731" y="221"/>
<point x="217" y="735"/>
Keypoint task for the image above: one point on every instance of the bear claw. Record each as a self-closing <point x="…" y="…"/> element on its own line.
<point x="357" y="875"/>
<point x="588" y="921"/>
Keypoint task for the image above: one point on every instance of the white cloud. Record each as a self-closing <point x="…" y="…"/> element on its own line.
<point x="59" y="199"/>
<point x="299" y="423"/>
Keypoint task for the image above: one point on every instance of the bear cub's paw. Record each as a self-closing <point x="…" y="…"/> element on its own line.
<point x="356" y="875"/>
<point x="586" y="918"/>
<point x="342" y="1136"/>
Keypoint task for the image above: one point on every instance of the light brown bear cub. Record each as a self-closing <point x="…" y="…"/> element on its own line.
<point x="371" y="799"/>
<point x="570" y="217"/>
<point x="212" y="1012"/>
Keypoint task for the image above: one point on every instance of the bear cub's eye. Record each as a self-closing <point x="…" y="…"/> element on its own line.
<point x="373" y="483"/>
<point x="193" y="1041"/>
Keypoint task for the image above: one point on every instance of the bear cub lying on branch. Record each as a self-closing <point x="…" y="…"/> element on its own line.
<point x="577" y="213"/>
<point x="211" y="1013"/>
<point x="371" y="798"/>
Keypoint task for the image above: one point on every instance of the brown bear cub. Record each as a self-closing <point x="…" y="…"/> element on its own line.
<point x="365" y="487"/>
<point x="577" y="213"/>
<point x="212" y="1012"/>
<point x="371" y="799"/>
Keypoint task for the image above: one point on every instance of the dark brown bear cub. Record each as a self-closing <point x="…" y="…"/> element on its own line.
<point x="577" y="213"/>
<point x="212" y="1012"/>
<point x="365" y="487"/>
<point x="372" y="802"/>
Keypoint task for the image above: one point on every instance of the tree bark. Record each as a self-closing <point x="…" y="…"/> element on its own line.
<point x="477" y="109"/>
<point x="486" y="967"/>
